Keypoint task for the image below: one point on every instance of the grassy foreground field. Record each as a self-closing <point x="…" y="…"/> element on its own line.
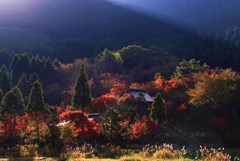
<point x="133" y="158"/>
<point x="86" y="152"/>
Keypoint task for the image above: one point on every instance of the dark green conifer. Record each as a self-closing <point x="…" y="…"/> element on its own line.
<point x="24" y="63"/>
<point x="36" y="104"/>
<point x="158" y="111"/>
<point x="25" y="86"/>
<point x="110" y="123"/>
<point x="19" y="66"/>
<point x="185" y="68"/>
<point x="48" y="71"/>
<point x="14" y="62"/>
<point x="5" y="79"/>
<point x="36" y="100"/>
<point x="56" y="62"/>
<point x="12" y="105"/>
<point x="82" y="94"/>
<point x="37" y="65"/>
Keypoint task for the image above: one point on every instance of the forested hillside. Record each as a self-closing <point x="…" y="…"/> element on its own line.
<point x="89" y="25"/>
<point x="95" y="79"/>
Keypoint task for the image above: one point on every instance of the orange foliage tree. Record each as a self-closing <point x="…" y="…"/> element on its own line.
<point x="91" y="128"/>
<point x="215" y="89"/>
<point x="143" y="128"/>
<point x="112" y="98"/>
<point x="174" y="92"/>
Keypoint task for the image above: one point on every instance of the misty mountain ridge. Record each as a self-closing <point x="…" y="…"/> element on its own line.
<point x="91" y="22"/>
<point x="209" y="16"/>
<point x="76" y="28"/>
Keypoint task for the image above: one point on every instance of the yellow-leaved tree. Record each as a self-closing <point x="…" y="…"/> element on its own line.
<point x="215" y="89"/>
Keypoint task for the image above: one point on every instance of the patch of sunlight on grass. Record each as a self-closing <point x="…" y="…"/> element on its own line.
<point x="130" y="158"/>
<point x="92" y="159"/>
<point x="136" y="158"/>
<point x="29" y="159"/>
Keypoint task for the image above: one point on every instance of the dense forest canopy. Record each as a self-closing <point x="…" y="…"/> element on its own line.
<point x="92" y="71"/>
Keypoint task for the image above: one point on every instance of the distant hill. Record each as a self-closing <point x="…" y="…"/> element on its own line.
<point x="214" y="16"/>
<point x="76" y="28"/>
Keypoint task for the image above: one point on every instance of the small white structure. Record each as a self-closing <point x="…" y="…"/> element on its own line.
<point x="135" y="93"/>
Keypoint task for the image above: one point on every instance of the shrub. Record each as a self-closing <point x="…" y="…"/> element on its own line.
<point x="212" y="154"/>
<point x="165" y="151"/>
<point x="84" y="151"/>
<point x="49" y="151"/>
<point x="110" y="151"/>
<point x="68" y="134"/>
<point x="164" y="154"/>
<point x="145" y="154"/>
<point x="30" y="150"/>
<point x="143" y="128"/>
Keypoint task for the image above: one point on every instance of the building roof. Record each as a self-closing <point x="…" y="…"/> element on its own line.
<point x="136" y="93"/>
<point x="93" y="116"/>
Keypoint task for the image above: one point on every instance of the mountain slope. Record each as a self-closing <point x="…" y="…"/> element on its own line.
<point x="87" y="23"/>
<point x="211" y="16"/>
<point x="76" y="28"/>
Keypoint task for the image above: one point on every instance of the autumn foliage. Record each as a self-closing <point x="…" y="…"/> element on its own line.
<point x="143" y="128"/>
<point x="91" y="128"/>
<point x="25" y="126"/>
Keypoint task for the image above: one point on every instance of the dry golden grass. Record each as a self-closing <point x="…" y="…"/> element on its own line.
<point x="29" y="159"/>
<point x="130" y="158"/>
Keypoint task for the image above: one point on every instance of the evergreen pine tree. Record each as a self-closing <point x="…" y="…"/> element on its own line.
<point x="37" y="65"/>
<point x="33" y="77"/>
<point x="82" y="94"/>
<point x="158" y="111"/>
<point x="36" y="100"/>
<point x="13" y="105"/>
<point x="48" y="65"/>
<point x="20" y="64"/>
<point x="5" y="79"/>
<point x="185" y="68"/>
<point x="12" y="102"/>
<point x="110" y="123"/>
<point x="25" y="86"/>
<point x="48" y="71"/>
<point x="56" y="62"/>
<point x="54" y="131"/>
<point x="24" y="64"/>
<point x="36" y="104"/>
<point x="14" y="62"/>
<point x="14" y="68"/>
